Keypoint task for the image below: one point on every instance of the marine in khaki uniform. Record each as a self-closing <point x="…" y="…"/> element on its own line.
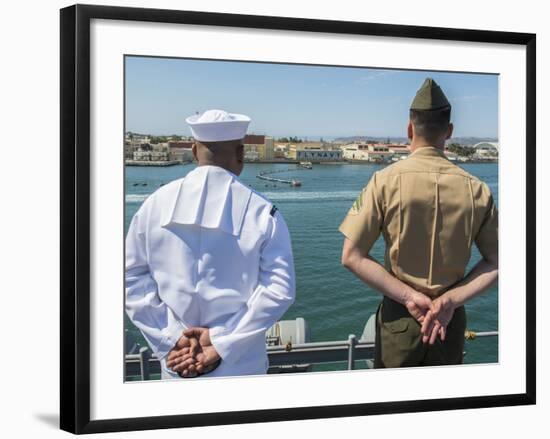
<point x="430" y="213"/>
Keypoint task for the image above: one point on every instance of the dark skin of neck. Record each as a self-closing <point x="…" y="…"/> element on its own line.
<point x="228" y="155"/>
<point x="420" y="142"/>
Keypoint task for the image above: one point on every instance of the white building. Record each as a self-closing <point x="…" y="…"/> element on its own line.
<point x="355" y="151"/>
<point x="369" y="152"/>
<point x="318" y="155"/>
<point x="181" y="154"/>
<point x="137" y="139"/>
<point x="151" y="156"/>
<point x="280" y="150"/>
<point x="486" y="150"/>
<point x="252" y="155"/>
<point x="399" y="151"/>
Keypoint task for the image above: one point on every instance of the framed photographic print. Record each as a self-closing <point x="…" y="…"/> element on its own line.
<point x="290" y="218"/>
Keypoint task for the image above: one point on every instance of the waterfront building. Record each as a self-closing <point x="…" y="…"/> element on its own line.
<point x="251" y="155"/>
<point x="150" y="156"/>
<point x="180" y="144"/>
<point x="137" y="139"/>
<point x="311" y="145"/>
<point x="160" y="147"/>
<point x="269" y="148"/>
<point x="354" y="151"/>
<point x="141" y="156"/>
<point x="160" y="155"/>
<point x="486" y="150"/>
<point x="128" y="150"/>
<point x="372" y="152"/>
<point x="280" y="150"/>
<point x="258" y="147"/>
<point x="138" y="148"/>
<point x="399" y="151"/>
<point x="319" y="155"/>
<point x="314" y="152"/>
<point x="453" y="156"/>
<point x="378" y="154"/>
<point x="180" y="150"/>
<point x="134" y="143"/>
<point x="146" y="152"/>
<point x="181" y="154"/>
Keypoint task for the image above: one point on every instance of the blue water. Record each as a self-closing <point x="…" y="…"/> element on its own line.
<point x="332" y="300"/>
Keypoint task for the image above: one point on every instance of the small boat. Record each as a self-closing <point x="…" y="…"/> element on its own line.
<point x="296" y="183"/>
<point x="306" y="165"/>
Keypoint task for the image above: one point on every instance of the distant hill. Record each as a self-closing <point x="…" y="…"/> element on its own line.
<point x="468" y="141"/>
<point x="350" y="139"/>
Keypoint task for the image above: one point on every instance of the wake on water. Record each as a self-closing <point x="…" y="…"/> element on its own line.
<point x="279" y="196"/>
<point x="293" y="195"/>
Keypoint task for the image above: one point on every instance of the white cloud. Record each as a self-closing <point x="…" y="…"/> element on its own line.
<point x="466" y="98"/>
<point x="365" y="79"/>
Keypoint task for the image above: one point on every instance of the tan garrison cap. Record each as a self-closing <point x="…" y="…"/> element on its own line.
<point x="429" y="97"/>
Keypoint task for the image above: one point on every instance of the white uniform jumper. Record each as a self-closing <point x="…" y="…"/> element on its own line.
<point x="206" y="250"/>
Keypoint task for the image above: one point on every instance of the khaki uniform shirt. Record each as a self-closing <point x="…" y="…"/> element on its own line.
<point x="430" y="212"/>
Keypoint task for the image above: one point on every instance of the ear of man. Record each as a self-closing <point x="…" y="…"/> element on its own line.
<point x="449" y="131"/>
<point x="240" y="153"/>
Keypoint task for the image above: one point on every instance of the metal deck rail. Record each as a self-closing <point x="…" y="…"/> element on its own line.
<point x="143" y="364"/>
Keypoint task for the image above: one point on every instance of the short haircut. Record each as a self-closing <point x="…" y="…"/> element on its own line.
<point x="431" y="124"/>
<point x="220" y="151"/>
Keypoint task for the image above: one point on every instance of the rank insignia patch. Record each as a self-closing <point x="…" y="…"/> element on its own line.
<point x="357" y="204"/>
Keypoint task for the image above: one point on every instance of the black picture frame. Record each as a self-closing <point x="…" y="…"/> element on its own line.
<point x="75" y="216"/>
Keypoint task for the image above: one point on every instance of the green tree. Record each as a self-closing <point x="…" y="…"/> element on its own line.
<point x="461" y="150"/>
<point x="158" y="139"/>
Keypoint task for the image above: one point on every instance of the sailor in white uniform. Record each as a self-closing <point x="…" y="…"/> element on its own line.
<point x="208" y="251"/>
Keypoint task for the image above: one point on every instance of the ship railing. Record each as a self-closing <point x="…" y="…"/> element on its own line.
<point x="142" y="364"/>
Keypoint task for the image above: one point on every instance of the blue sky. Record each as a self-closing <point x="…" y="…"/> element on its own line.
<point x="298" y="100"/>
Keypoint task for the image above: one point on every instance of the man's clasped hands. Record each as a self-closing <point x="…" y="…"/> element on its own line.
<point x="193" y="354"/>
<point x="433" y="315"/>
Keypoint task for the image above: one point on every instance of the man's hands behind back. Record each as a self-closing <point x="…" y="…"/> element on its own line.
<point x="193" y="354"/>
<point x="418" y="305"/>
<point x="433" y="316"/>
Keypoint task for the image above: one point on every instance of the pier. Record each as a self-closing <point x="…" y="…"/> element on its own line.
<point x="154" y="162"/>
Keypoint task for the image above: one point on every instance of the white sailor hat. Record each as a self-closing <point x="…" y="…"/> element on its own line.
<point x="218" y="125"/>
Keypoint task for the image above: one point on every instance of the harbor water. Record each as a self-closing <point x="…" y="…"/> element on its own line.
<point x="331" y="299"/>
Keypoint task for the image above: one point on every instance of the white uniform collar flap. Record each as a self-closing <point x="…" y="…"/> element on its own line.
<point x="210" y="197"/>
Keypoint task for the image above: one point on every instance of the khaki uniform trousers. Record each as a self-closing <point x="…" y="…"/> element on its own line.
<point x="398" y="340"/>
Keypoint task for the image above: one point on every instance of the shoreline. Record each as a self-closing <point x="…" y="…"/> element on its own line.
<point x="161" y="163"/>
<point x="292" y="162"/>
